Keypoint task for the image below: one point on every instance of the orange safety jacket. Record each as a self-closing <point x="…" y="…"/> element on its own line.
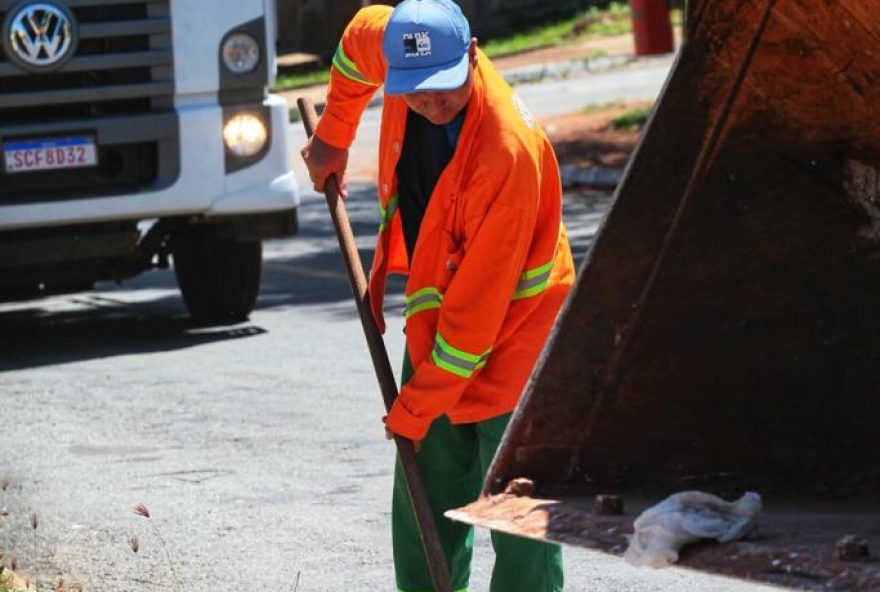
<point x="492" y="263"/>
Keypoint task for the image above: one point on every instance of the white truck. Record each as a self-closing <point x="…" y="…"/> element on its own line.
<point x="131" y="130"/>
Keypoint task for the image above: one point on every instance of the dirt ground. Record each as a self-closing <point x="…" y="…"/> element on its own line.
<point x="586" y="139"/>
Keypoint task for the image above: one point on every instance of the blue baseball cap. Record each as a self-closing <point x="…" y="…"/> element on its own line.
<point x="426" y="46"/>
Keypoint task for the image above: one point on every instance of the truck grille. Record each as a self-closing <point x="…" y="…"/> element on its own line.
<point x="121" y="77"/>
<point x="123" y="64"/>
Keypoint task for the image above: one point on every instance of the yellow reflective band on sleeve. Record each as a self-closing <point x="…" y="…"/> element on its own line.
<point x="387" y="213"/>
<point x="533" y="281"/>
<point x="456" y="361"/>
<point x="424" y="299"/>
<point x="347" y="68"/>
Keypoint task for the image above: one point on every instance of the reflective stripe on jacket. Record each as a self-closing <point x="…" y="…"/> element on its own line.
<point x="492" y="264"/>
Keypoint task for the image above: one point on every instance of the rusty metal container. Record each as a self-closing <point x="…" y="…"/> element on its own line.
<point x="724" y="332"/>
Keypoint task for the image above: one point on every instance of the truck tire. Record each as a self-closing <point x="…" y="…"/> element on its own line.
<point x="219" y="277"/>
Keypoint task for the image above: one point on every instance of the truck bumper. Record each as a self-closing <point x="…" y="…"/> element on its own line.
<point x="201" y="188"/>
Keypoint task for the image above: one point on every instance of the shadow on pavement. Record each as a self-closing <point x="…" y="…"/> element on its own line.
<point x="34" y="337"/>
<point x="147" y="314"/>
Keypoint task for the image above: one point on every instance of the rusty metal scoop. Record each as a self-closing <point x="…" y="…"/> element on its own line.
<point x="724" y="332"/>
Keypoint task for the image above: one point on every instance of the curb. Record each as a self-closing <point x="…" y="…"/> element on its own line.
<point x="595" y="177"/>
<point x="567" y="69"/>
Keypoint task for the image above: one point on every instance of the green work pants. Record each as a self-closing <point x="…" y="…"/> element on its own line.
<point x="453" y="461"/>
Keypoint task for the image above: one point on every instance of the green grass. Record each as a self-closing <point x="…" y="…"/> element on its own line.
<point x="288" y="81"/>
<point x="615" y="20"/>
<point x="589" y="24"/>
<point x="631" y="121"/>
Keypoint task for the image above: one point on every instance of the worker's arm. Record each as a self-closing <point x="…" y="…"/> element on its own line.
<point x="358" y="70"/>
<point x="477" y="299"/>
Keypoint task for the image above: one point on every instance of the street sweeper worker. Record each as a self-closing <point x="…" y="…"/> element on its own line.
<point x="470" y="207"/>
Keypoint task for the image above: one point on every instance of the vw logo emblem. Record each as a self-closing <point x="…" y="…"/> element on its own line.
<point x="39" y="36"/>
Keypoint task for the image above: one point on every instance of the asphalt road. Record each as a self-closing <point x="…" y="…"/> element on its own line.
<point x="257" y="448"/>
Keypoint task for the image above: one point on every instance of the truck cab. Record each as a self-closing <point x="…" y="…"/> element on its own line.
<point x="137" y="131"/>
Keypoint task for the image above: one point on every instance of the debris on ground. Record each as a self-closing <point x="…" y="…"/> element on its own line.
<point x="853" y="548"/>
<point x="520" y="487"/>
<point x="686" y="517"/>
<point x="608" y="505"/>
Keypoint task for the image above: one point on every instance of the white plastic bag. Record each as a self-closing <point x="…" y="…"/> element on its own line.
<point x="685" y="517"/>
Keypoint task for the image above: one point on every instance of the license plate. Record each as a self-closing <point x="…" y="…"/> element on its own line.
<point x="68" y="152"/>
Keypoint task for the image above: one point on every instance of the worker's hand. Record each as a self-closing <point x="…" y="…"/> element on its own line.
<point x="324" y="160"/>
<point x="389" y="435"/>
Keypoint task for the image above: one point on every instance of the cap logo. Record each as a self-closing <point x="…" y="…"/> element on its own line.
<point x="416" y="45"/>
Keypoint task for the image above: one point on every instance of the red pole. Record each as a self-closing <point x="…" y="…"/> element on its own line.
<point x="652" y="27"/>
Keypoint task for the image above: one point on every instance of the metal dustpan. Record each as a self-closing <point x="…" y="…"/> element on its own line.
<point x="724" y="332"/>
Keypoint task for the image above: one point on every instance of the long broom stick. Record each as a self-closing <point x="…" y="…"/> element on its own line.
<point x="405" y="449"/>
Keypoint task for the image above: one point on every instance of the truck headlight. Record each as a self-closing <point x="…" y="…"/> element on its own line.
<point x="245" y="134"/>
<point x="241" y="53"/>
